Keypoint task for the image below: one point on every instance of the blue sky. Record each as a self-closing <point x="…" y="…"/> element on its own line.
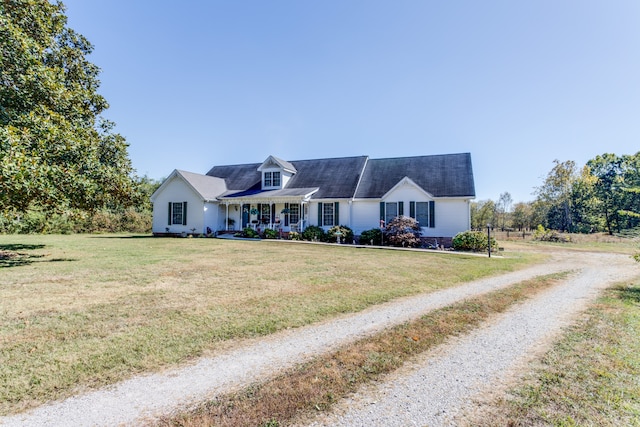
<point x="517" y="84"/>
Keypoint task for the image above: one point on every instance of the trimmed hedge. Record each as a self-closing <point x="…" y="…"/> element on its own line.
<point x="475" y="241"/>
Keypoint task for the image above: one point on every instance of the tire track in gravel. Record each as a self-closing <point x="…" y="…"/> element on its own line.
<point x="441" y="384"/>
<point x="147" y="396"/>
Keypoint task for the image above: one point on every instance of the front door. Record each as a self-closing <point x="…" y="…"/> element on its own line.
<point x="245" y="215"/>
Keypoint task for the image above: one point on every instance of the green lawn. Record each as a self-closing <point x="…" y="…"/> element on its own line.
<point x="82" y="311"/>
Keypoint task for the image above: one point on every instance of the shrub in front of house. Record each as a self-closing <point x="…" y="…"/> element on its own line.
<point x="250" y="233"/>
<point x="346" y="234"/>
<point x="403" y="231"/>
<point x="371" y="237"/>
<point x="475" y="241"/>
<point x="270" y="233"/>
<point x="313" y="233"/>
<point x="294" y="235"/>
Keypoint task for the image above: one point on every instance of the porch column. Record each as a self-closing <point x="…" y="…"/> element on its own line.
<point x="227" y="219"/>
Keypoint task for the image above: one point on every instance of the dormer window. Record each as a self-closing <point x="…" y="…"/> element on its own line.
<point x="276" y="173"/>
<point x="272" y="179"/>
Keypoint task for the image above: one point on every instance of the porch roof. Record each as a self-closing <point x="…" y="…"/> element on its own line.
<point x="272" y="196"/>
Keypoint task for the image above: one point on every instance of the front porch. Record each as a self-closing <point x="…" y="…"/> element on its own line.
<point x="283" y="217"/>
<point x="284" y="210"/>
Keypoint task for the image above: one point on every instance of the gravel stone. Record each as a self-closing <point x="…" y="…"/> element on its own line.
<point x="441" y="384"/>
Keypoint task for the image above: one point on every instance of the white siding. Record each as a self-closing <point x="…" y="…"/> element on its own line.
<point x="366" y="215"/>
<point x="344" y="213"/>
<point x="452" y="217"/>
<point x="177" y="190"/>
<point x="211" y="216"/>
<point x="405" y="193"/>
<point x="235" y="213"/>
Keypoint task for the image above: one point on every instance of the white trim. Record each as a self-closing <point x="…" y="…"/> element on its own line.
<point x="404" y="181"/>
<point x="271" y="160"/>
<point x="364" y="167"/>
<point x="174" y="174"/>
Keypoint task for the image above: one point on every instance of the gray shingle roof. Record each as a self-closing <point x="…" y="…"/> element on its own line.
<point x="282" y="193"/>
<point x="337" y="178"/>
<point x="239" y="177"/>
<point x="285" y="164"/>
<point x="208" y="187"/>
<point x="446" y="175"/>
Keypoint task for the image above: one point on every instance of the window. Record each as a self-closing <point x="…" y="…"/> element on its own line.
<point x="294" y="214"/>
<point x="272" y="179"/>
<point x="265" y="215"/>
<point x="422" y="213"/>
<point x="177" y="213"/>
<point x="327" y="214"/>
<point x="391" y="211"/>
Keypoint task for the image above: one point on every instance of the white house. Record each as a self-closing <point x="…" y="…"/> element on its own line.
<point x="358" y="192"/>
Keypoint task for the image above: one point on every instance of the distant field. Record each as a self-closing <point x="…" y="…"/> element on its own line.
<point x="82" y="311"/>
<point x="601" y="242"/>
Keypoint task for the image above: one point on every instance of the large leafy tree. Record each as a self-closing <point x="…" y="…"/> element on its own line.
<point x="482" y="213"/>
<point x="616" y="180"/>
<point x="56" y="151"/>
<point x="503" y="208"/>
<point x="522" y="216"/>
<point x="555" y="195"/>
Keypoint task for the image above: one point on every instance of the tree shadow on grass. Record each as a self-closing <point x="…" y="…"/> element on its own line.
<point x="135" y="236"/>
<point x="19" y="247"/>
<point x="13" y="255"/>
<point x="629" y="293"/>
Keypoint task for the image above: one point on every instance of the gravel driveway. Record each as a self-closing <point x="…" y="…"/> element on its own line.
<point x="428" y="392"/>
<point x="443" y="383"/>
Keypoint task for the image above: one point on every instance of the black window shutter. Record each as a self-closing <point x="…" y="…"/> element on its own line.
<point x="412" y="209"/>
<point x="286" y="215"/>
<point x="184" y="213"/>
<point x="381" y="211"/>
<point x="432" y="214"/>
<point x="400" y="208"/>
<point x="336" y="217"/>
<point x="169" y="223"/>
<point x="319" y="214"/>
<point x="273" y="213"/>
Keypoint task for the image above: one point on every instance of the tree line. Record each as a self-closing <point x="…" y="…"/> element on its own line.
<point x="601" y="196"/>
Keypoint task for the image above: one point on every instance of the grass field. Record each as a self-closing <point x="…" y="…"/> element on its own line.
<point x="597" y="242"/>
<point x="82" y="311"/>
